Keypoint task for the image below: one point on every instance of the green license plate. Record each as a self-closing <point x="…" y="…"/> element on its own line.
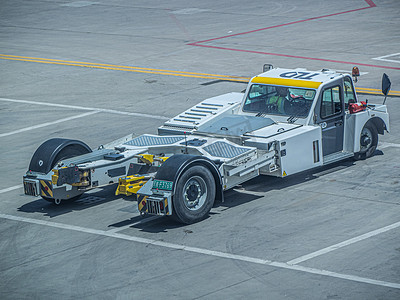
<point x="162" y="185"/>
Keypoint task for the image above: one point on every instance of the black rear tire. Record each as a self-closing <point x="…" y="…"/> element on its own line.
<point x="194" y="195"/>
<point x="368" y="141"/>
<point x="67" y="152"/>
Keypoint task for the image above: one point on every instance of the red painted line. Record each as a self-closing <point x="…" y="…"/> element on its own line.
<point x="301" y="57"/>
<point x="286" y="24"/>
<point x="370" y="3"/>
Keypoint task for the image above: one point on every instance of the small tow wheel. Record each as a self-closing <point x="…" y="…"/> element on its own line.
<point x="368" y="141"/>
<point x="58" y="201"/>
<point x="194" y="195"/>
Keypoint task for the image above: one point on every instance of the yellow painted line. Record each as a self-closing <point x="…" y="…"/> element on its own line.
<point x="162" y="71"/>
<point x="123" y="68"/>
<point x="375" y="91"/>
<point x="369" y="89"/>
<point x="4" y="56"/>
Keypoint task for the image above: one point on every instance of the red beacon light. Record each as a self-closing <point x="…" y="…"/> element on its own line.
<point x="355" y="73"/>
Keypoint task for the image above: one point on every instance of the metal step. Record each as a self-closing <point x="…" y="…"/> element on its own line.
<point x="225" y="150"/>
<point x="337" y="156"/>
<point x="152" y="140"/>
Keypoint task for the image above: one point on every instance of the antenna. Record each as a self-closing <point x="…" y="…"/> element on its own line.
<point x="186" y="151"/>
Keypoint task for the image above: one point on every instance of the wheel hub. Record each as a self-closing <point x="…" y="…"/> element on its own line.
<point x="366" y="139"/>
<point x="194" y="193"/>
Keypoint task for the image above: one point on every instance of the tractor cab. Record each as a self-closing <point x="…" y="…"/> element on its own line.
<point x="292" y="96"/>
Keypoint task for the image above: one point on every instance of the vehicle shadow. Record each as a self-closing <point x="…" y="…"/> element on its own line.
<point x="232" y="198"/>
<point x="245" y="193"/>
<point x="265" y="183"/>
<point x="87" y="200"/>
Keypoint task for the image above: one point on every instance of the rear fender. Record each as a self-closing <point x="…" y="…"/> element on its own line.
<point x="45" y="156"/>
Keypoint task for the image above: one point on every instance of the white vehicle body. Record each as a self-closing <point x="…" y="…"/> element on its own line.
<point x="235" y="136"/>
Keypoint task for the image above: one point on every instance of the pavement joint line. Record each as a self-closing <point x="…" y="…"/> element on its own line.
<point x="203" y="251"/>
<point x="343" y="244"/>
<point x="347" y="196"/>
<point x="11" y="188"/>
<point x="48" y="123"/>
<point x="104" y="110"/>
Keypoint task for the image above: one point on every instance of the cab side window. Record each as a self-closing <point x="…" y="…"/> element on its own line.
<point x="349" y="95"/>
<point x="331" y="104"/>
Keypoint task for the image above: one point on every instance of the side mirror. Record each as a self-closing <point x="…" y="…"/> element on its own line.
<point x="386" y="84"/>
<point x="267" y="67"/>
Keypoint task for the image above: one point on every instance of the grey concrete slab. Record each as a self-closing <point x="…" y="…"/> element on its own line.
<point x="265" y="218"/>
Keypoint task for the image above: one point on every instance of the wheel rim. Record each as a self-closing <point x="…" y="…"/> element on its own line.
<point x="366" y="139"/>
<point x="195" y="193"/>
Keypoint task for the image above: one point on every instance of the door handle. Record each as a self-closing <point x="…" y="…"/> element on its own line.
<point x="340" y="123"/>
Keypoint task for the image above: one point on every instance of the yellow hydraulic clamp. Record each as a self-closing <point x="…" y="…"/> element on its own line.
<point x="129" y="185"/>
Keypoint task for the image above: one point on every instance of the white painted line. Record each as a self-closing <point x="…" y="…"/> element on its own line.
<point x="11" y="188"/>
<point x="111" y="111"/>
<point x="343" y="244"/>
<point x="204" y="251"/>
<point x="349" y="72"/>
<point x="336" y="275"/>
<point x="384" y="58"/>
<point x="48" y="123"/>
<point x="387" y="145"/>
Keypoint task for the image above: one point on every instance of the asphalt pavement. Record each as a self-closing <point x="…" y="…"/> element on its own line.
<point x="100" y="70"/>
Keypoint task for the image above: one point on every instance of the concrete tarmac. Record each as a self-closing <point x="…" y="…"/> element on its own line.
<point x="99" y="70"/>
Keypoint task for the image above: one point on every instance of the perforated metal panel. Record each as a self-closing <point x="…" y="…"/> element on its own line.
<point x="225" y="150"/>
<point x="145" y="140"/>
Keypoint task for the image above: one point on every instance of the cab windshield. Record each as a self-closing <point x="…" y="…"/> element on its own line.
<point x="279" y="100"/>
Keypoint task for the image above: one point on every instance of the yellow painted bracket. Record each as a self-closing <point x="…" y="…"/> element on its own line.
<point x="130" y="184"/>
<point x="54" y="177"/>
<point x="147" y="158"/>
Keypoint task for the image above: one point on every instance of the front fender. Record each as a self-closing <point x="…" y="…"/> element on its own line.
<point x="380" y="124"/>
<point x="174" y="167"/>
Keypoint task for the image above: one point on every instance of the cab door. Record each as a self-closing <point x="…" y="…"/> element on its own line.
<point x="330" y="116"/>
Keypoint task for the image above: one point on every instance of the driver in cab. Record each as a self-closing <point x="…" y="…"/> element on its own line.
<point x="279" y="99"/>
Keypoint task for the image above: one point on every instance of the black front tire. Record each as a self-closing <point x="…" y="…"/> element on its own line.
<point x="368" y="141"/>
<point x="194" y="195"/>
